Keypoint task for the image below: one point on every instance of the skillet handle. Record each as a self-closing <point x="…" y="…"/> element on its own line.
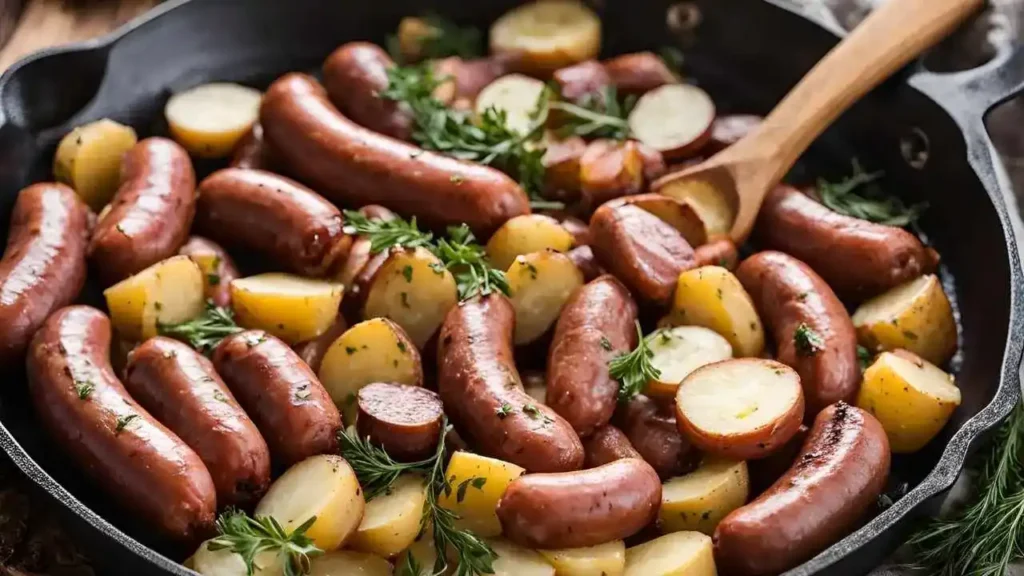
<point x="970" y="94"/>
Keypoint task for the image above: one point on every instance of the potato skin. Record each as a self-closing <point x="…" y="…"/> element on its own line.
<point x="583" y="508"/>
<point x="857" y="258"/>
<point x="607" y="444"/>
<point x="610" y="169"/>
<point x="721" y="252"/>
<point x="653" y="432"/>
<point x="218" y="288"/>
<point x="595" y="324"/>
<point x="404" y="420"/>
<point x="578" y="80"/>
<point x="839" y="474"/>
<point x="470" y="76"/>
<point x="787" y="293"/>
<point x="638" y="72"/>
<point x="477" y="377"/>
<point x="355" y="76"/>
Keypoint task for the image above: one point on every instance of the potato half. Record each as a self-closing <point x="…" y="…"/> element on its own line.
<point x="681" y="350"/>
<point x="324" y="487"/>
<point x="740" y="409"/>
<point x="712" y="297"/>
<point x="699" y="500"/>
<point x="391" y="521"/>
<point x="293" y="308"/>
<point x="524" y="235"/>
<point x="515" y="95"/>
<point x="224" y="562"/>
<point x="514" y="560"/>
<point x="912" y="398"/>
<point x="716" y="209"/>
<point x="674" y="119"/>
<point x="414" y="289"/>
<point x="168" y="292"/>
<point x="539" y="285"/>
<point x="478" y="482"/>
<point x="348" y="563"/>
<point x="210" y="119"/>
<point x="679" y="214"/>
<point x="675" y="554"/>
<point x="915" y="316"/>
<point x="608" y="559"/>
<point x="541" y="37"/>
<point x="89" y="160"/>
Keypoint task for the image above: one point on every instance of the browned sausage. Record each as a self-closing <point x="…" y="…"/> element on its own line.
<point x="584" y="259"/>
<point x="605" y="445"/>
<point x="731" y="128"/>
<point x="653" y="162"/>
<point x="800" y="308"/>
<point x="404" y="420"/>
<point x="765" y="471"/>
<point x="281" y="394"/>
<point x="252" y="152"/>
<point x="151" y="212"/>
<point x="218" y="282"/>
<point x="359" y="255"/>
<point x="596" y="324"/>
<point x="641" y="250"/>
<point x="356" y="76"/>
<point x="721" y="252"/>
<point x="275" y="216"/>
<point x="355" y="166"/>
<point x="653" y="432"/>
<point x="579" y="229"/>
<point x="561" y="162"/>
<point x="583" y="508"/>
<point x="610" y="169"/>
<point x="838" y="475"/>
<point x="585" y="78"/>
<point x="484" y="397"/>
<point x="857" y="258"/>
<point x="179" y="387"/>
<point x="312" y="351"/>
<point x="43" y="267"/>
<point x="88" y="412"/>
<point x="638" y="72"/>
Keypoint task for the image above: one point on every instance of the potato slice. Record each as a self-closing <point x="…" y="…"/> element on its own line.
<point x="542" y="37"/>
<point x="414" y="289"/>
<point x="478" y="482"/>
<point x="740" y="409"/>
<point x="540" y="284"/>
<point x="699" y="500"/>
<point x="716" y="208"/>
<point x="210" y="119"/>
<point x="514" y="560"/>
<point x="608" y="559"/>
<point x="391" y="521"/>
<point x="675" y="554"/>
<point x="524" y="235"/>
<point x="674" y="119"/>
<point x="712" y="297"/>
<point x="912" y="398"/>
<point x="224" y="562"/>
<point x="168" y="292"/>
<point x="915" y="316"/>
<point x="681" y="350"/>
<point x="89" y="160"/>
<point x="322" y="486"/>
<point x="375" y="350"/>
<point x="679" y="214"/>
<point x="293" y="308"/>
<point x="348" y="563"/>
<point x="515" y="95"/>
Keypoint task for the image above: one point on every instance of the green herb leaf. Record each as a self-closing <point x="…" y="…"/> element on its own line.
<point x="205" y="332"/>
<point x="857" y="196"/>
<point x="504" y="410"/>
<point x="863" y="357"/>
<point x="84" y="389"/>
<point x="807" y="341"/>
<point x="467" y="261"/>
<point x="385" y="234"/>
<point x="595" y="115"/>
<point x="248" y="537"/>
<point x="123" y="422"/>
<point x="634" y="369"/>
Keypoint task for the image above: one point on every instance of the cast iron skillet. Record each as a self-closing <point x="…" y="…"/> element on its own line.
<point x="925" y="130"/>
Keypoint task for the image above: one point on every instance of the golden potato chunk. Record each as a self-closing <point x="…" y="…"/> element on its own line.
<point x="478" y="482"/>
<point x="608" y="559"/>
<point x="716" y="209"/>
<point x="681" y="350"/>
<point x="515" y="95"/>
<point x="224" y="562"/>
<point x="391" y="521"/>
<point x="293" y="308"/>
<point x="524" y="235"/>
<point x="168" y="292"/>
<point x="675" y="554"/>
<point x="712" y="297"/>
<point x="541" y="37"/>
<point x="514" y="560"/>
<point x="346" y="562"/>
<point x="539" y="285"/>
<point x="915" y="316"/>
<point x="210" y="119"/>
<point x="89" y="160"/>
<point x="699" y="500"/>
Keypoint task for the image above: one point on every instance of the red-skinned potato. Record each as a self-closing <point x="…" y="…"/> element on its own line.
<point x="578" y="80"/>
<point x="608" y="170"/>
<point x="675" y="119"/>
<point x="676" y="213"/>
<point x="638" y="73"/>
<point x="561" y="160"/>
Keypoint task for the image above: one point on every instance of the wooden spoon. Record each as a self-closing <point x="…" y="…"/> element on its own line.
<point x="893" y="35"/>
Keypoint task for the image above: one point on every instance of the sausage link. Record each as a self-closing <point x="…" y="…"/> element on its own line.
<point x="360" y="254"/>
<point x="596" y="324"/>
<point x="653" y="432"/>
<point x="583" y="508"/>
<point x="253" y="152"/>
<point x="281" y="394"/>
<point x="838" y="475"/>
<point x="151" y="212"/>
<point x="638" y="73"/>
<point x="606" y="445"/>
<point x="468" y="77"/>
<point x="721" y="252"/>
<point x="43" y="266"/>
<point x="356" y="76"/>
<point x="484" y="397"/>
<point x="403" y="420"/>
<point x="584" y="259"/>
<point x="88" y="412"/>
<point x="355" y="166"/>
<point x="858" y="259"/>
<point x="791" y="297"/>
<point x="273" y="215"/>
<point x="179" y="387"/>
<point x="312" y="351"/>
<point x="218" y="282"/>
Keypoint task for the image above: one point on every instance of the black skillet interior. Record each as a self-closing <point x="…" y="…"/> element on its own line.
<point x="746" y="53"/>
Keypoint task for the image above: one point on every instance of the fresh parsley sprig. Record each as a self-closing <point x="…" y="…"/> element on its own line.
<point x="806" y="341"/>
<point x="595" y="115"/>
<point x="205" y="332"/>
<point x="856" y="196"/>
<point x="634" y="369"/>
<point x="247" y="537"/>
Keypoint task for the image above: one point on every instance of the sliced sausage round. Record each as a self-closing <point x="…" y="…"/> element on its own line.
<point x="404" y="420"/>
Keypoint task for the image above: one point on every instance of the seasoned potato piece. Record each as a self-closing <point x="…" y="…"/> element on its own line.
<point x="515" y="95"/>
<point x="323" y="486"/>
<point x="912" y="398"/>
<point x="915" y="316"/>
<point x="677" y="213"/>
<point x="610" y="169"/>
<point x="167" y="292"/>
<point x="542" y="37"/>
<point x="540" y="284"/>
<point x="293" y="308"/>
<point x="674" y="119"/>
<point x="715" y="208"/>
<point x="376" y="350"/>
<point x="477" y="484"/>
<point x="347" y="563"/>
<point x="89" y="160"/>
<point x="712" y="297"/>
<point x="740" y="409"/>
<point x="514" y="560"/>
<point x="224" y="562"/>
<point x="681" y="350"/>
<point x="675" y="554"/>
<point x="607" y="559"/>
<point x="412" y="34"/>
<point x="210" y="119"/>
<point x="423" y="553"/>
<point x="392" y="520"/>
<point x="524" y="235"/>
<point x="700" y="499"/>
<point x="414" y="289"/>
